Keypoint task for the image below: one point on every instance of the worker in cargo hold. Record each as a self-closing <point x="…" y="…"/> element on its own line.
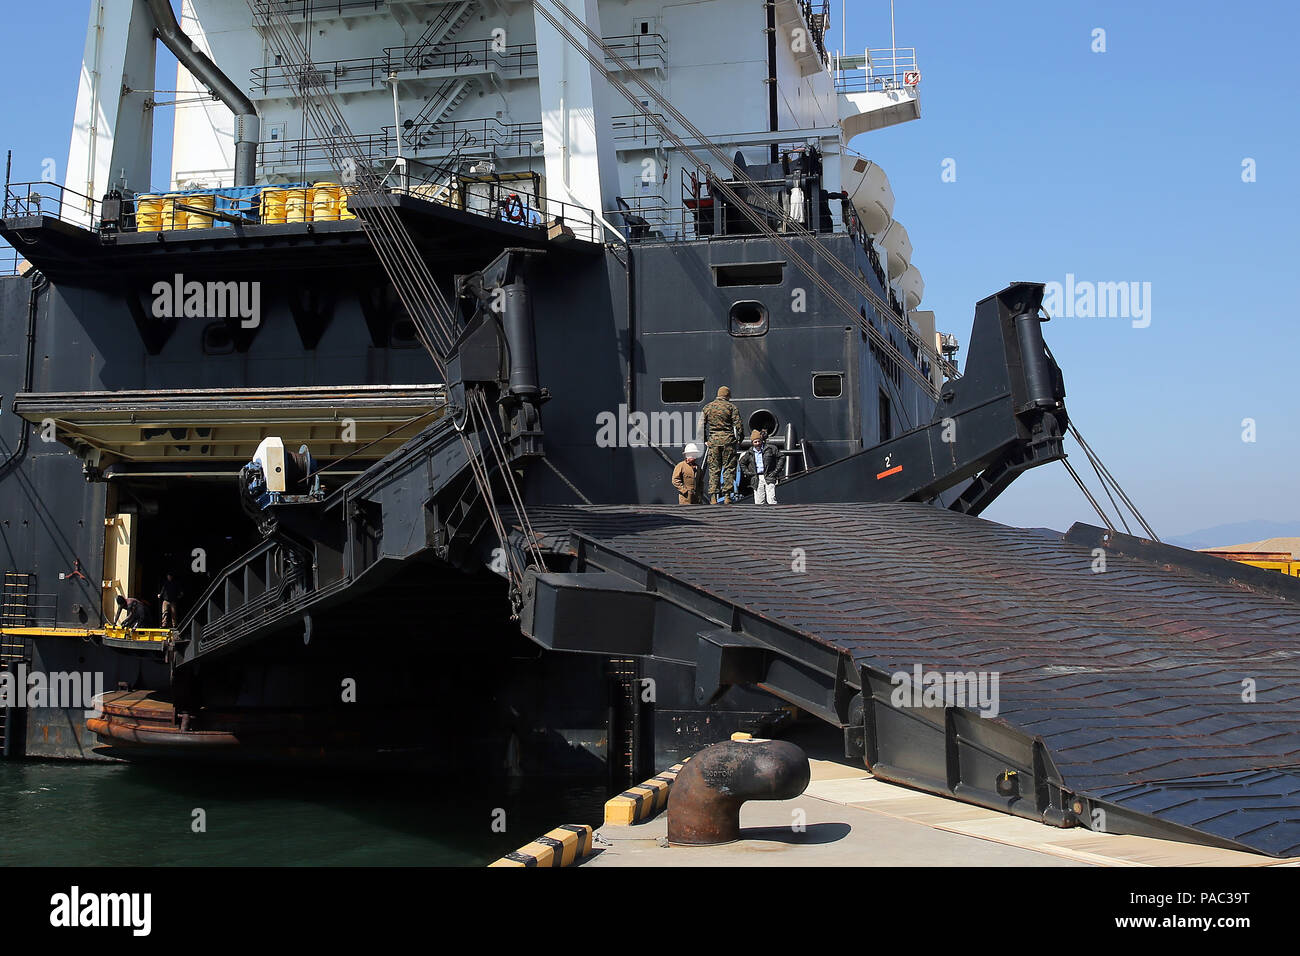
<point x="720" y="423"/>
<point x="758" y="464"/>
<point x="686" y="477"/>
<point x="136" y="611"/>
<point x="169" y="595"/>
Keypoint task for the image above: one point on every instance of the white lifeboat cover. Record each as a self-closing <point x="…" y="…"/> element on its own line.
<point x="912" y="286"/>
<point x="869" y="191"/>
<point x="899" y="246"/>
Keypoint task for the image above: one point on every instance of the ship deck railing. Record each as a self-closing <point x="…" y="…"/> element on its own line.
<point x="488" y="136"/>
<point x="876" y="71"/>
<point x="640" y="51"/>
<point x="645" y="51"/>
<point x="28" y="610"/>
<point x="11" y="263"/>
<point x="300" y="9"/>
<point x="488" y="197"/>
<point x="461" y="56"/>
<point x="48" y="199"/>
<point x="688" y="222"/>
<point x="638" y="128"/>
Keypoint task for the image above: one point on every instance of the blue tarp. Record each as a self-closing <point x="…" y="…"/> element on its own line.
<point x="234" y="199"/>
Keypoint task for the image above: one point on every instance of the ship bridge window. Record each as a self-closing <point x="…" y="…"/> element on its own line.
<point x="828" y="384"/>
<point x="749" y="273"/>
<point x="681" y="391"/>
<point x="748" y="318"/>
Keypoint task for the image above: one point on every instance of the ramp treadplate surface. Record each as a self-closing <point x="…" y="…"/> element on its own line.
<point x="1172" y="693"/>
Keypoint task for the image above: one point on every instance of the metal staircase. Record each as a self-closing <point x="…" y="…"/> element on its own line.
<point x="442" y="28"/>
<point x="447" y="98"/>
<point x="444" y="101"/>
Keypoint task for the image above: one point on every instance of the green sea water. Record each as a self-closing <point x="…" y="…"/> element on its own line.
<point x="78" y="814"/>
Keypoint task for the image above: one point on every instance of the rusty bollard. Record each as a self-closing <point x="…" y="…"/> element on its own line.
<point x="704" y="804"/>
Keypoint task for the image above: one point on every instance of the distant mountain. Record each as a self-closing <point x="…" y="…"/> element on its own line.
<point x="1237" y="533"/>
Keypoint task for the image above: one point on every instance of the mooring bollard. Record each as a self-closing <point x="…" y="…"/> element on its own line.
<point x="705" y="801"/>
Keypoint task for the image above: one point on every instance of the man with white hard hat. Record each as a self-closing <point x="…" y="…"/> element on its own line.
<point x="686" y="477"/>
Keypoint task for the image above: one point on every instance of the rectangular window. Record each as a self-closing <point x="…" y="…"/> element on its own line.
<point x="681" y="391"/>
<point x="828" y="384"/>
<point x="749" y="273"/>
<point x="886" y="426"/>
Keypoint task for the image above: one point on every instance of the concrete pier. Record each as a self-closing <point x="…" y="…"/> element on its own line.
<point x="848" y="818"/>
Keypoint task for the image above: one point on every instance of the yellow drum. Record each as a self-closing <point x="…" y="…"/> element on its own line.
<point x="297" y="205"/>
<point x="273" y="206"/>
<point x="344" y="211"/>
<point x="172" y="218"/>
<point x="148" y="213"/>
<point x="196" y="220"/>
<point x="325" y="200"/>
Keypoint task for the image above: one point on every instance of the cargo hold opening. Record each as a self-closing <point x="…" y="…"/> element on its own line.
<point x="171" y="459"/>
<point x="192" y="527"/>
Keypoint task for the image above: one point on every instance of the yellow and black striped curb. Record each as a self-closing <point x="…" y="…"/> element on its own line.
<point x="563" y="846"/>
<point x="642" y="801"/>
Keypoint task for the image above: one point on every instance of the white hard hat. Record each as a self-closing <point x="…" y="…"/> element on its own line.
<point x="692" y="450"/>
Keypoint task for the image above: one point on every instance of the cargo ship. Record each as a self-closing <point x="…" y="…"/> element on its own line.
<point x="384" y="393"/>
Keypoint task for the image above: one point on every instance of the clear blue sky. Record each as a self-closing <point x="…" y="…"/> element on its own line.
<point x="1119" y="166"/>
<point x="1115" y="166"/>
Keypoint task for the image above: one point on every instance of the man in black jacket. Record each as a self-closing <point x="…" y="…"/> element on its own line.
<point x="758" y="464"/>
<point x="169" y="596"/>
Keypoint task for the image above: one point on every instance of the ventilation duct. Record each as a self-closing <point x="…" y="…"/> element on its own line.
<point x="247" y="125"/>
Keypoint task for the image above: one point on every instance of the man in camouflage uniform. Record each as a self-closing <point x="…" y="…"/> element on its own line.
<point x="721" y="427"/>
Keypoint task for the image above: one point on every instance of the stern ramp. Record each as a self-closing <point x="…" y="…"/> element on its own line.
<point x="1135" y="687"/>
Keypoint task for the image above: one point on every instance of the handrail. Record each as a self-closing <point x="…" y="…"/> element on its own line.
<point x="642" y="50"/>
<point x="25" y="200"/>
<point x="301" y="8"/>
<point x="638" y="127"/>
<point x="877" y="71"/>
<point x="219" y="580"/>
<point x="460" y="56"/>
<point x="43" y="198"/>
<point x="817" y="19"/>
<point x="9" y="260"/>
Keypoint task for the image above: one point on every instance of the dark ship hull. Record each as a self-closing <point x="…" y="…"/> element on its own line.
<point x="154" y="418"/>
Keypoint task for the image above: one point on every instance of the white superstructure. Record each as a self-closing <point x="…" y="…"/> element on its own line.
<point x="489" y="89"/>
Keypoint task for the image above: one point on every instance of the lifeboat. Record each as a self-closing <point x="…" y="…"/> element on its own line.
<point x="869" y="191"/>
<point x="899" y="246"/>
<point x="911" y="287"/>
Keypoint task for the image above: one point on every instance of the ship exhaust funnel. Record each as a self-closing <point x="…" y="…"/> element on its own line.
<point x="247" y="124"/>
